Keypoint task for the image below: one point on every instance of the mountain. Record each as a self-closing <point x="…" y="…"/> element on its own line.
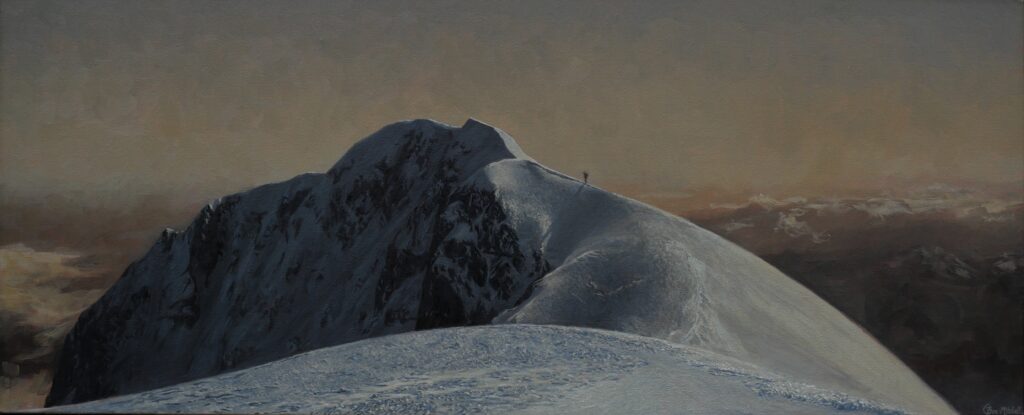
<point x="496" y="369"/>
<point x="424" y="225"/>
<point x="936" y="274"/>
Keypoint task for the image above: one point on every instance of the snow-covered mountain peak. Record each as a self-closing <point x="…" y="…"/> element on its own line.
<point x="474" y="129"/>
<point x="424" y="225"/>
<point x="430" y="145"/>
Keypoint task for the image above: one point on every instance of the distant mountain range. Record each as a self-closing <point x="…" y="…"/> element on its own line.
<point x="936" y="274"/>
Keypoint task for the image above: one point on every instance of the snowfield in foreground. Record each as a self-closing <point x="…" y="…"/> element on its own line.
<point x="496" y="369"/>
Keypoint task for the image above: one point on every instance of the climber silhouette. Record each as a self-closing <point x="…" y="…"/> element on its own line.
<point x="586" y="176"/>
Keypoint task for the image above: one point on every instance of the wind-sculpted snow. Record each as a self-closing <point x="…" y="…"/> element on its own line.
<point x="621" y="265"/>
<point x="497" y="369"/>
<point x="423" y="225"/>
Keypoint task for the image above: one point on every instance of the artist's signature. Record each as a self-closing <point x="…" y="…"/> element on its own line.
<point x="1002" y="410"/>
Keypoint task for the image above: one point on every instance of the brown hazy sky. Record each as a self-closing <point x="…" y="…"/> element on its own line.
<point x="115" y="99"/>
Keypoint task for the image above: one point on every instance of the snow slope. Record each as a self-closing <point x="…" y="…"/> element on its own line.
<point x="496" y="369"/>
<point x="424" y="225"/>
<point x="625" y="266"/>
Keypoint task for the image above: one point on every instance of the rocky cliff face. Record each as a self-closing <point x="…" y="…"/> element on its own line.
<point x="423" y="225"/>
<point x="391" y="239"/>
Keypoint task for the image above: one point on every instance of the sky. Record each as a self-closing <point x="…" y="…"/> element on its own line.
<point x="108" y="101"/>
